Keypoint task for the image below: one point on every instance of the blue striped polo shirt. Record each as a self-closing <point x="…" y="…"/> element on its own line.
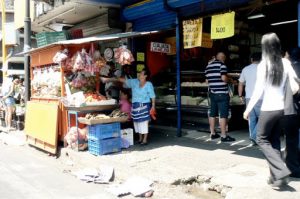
<point x="213" y="74"/>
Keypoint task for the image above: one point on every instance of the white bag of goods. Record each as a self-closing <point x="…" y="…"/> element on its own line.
<point x="127" y="137"/>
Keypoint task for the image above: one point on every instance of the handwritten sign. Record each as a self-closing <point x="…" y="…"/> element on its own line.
<point x="222" y="25"/>
<point x="160" y="47"/>
<point x="192" y="33"/>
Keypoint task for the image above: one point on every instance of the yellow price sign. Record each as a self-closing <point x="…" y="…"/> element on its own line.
<point x="222" y="25"/>
<point x="140" y="56"/>
<point x="140" y="67"/>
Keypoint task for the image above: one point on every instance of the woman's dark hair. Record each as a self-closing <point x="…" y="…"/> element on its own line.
<point x="271" y="53"/>
<point x="146" y="72"/>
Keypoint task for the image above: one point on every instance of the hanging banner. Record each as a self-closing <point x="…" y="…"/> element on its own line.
<point x="160" y="47"/>
<point x="222" y="26"/>
<point x="192" y="33"/>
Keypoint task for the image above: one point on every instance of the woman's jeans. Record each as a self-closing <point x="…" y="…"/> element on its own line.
<point x="253" y="119"/>
<point x="268" y="139"/>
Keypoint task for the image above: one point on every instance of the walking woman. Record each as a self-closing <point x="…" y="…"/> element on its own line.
<point x="272" y="74"/>
<point x="8" y="91"/>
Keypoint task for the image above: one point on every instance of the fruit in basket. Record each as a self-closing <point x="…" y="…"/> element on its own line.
<point x="93" y="97"/>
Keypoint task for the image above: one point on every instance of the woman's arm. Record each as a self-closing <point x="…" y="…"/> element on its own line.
<point x="153" y="102"/>
<point x="113" y="79"/>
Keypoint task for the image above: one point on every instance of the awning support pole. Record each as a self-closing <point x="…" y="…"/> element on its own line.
<point x="178" y="76"/>
<point x="4" y="51"/>
<point x="299" y="23"/>
<point x="27" y="46"/>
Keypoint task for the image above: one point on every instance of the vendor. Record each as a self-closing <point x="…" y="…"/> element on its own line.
<point x="143" y="102"/>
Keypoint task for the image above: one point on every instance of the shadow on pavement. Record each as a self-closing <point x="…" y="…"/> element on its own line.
<point x="159" y="138"/>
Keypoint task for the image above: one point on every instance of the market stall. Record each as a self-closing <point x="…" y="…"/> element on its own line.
<point x="65" y="79"/>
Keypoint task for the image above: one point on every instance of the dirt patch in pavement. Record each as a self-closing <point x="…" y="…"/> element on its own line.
<point x="202" y="187"/>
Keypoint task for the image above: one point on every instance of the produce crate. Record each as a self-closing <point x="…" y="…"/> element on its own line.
<point x="104" y="131"/>
<point x="102" y="147"/>
<point x="46" y="38"/>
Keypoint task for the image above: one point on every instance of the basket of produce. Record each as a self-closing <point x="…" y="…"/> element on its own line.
<point x="93" y="118"/>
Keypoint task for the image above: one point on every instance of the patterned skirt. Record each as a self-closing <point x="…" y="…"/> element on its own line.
<point x="140" y="112"/>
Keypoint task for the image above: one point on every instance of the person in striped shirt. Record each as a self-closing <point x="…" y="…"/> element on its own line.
<point x="216" y="75"/>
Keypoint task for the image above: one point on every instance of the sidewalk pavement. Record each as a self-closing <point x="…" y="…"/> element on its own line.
<point x="236" y="168"/>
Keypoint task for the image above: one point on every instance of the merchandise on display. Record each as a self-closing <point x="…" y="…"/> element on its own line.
<point x="123" y="56"/>
<point x="46" y="82"/>
<point x="77" y="138"/>
<point x="194" y="84"/>
<point x="61" y="56"/>
<point x="100" y="118"/>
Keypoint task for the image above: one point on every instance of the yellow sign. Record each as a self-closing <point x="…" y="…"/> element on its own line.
<point x="42" y="129"/>
<point x="222" y="26"/>
<point x="206" y="41"/>
<point x="140" y="67"/>
<point x="192" y="33"/>
<point x="140" y="56"/>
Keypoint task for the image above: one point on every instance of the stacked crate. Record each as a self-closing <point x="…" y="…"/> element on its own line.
<point x="45" y="38"/>
<point x="104" y="138"/>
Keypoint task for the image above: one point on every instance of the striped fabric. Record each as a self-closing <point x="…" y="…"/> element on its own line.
<point x="213" y="74"/>
<point x="140" y="112"/>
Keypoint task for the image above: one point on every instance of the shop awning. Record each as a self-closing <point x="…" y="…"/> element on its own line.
<point x="94" y="39"/>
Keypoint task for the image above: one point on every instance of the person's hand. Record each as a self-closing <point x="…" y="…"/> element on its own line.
<point x="153" y="113"/>
<point x="246" y="115"/>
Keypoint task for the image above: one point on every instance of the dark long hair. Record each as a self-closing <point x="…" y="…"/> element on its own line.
<point x="271" y="53"/>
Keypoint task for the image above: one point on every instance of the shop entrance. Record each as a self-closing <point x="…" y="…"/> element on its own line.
<point x="251" y="22"/>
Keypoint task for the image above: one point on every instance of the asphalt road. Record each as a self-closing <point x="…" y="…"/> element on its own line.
<point x="25" y="173"/>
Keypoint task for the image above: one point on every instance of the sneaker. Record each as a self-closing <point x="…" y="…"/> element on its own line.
<point x="253" y="143"/>
<point x="227" y="139"/>
<point x="214" y="136"/>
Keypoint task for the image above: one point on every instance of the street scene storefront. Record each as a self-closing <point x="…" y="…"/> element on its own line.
<point x="84" y="56"/>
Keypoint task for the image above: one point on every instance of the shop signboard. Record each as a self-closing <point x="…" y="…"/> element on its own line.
<point x="160" y="47"/>
<point x="192" y="33"/>
<point x="222" y="25"/>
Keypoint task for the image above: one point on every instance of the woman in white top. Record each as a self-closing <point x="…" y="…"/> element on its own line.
<point x="272" y="73"/>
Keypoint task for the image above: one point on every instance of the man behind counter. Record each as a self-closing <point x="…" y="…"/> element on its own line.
<point x="216" y="75"/>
